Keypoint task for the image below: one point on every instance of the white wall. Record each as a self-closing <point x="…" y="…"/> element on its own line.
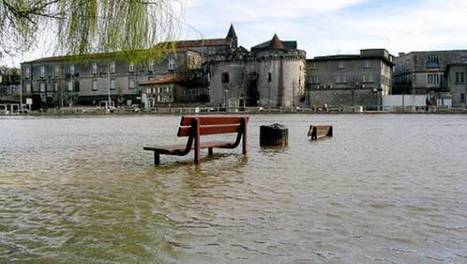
<point x="404" y="100"/>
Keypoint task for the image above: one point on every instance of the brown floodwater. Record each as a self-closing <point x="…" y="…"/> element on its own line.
<point x="384" y="189"/>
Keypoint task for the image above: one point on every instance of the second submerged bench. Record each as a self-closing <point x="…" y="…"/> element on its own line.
<point x="194" y="127"/>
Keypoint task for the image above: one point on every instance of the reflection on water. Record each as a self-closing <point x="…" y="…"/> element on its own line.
<point x="386" y="188"/>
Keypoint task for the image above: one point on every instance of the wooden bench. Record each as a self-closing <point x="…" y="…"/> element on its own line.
<point x="320" y="131"/>
<point x="194" y="127"/>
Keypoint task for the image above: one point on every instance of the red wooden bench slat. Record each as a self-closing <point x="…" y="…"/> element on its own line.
<point x="210" y="120"/>
<point x="185" y="131"/>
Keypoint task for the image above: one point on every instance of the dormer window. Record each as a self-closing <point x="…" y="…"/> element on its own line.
<point x="131" y="67"/>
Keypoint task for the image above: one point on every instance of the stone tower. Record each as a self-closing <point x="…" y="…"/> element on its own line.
<point x="272" y="74"/>
<point x="233" y="36"/>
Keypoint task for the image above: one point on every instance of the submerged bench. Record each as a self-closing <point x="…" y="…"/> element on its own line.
<point x="194" y="127"/>
<point x="320" y="131"/>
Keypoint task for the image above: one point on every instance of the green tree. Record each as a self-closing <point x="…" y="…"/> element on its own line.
<point x="90" y="26"/>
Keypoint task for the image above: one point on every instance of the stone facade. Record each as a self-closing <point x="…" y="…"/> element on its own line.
<point x="424" y="72"/>
<point x="349" y="80"/>
<point x="272" y="74"/>
<point x="456" y="79"/>
<point x="62" y="81"/>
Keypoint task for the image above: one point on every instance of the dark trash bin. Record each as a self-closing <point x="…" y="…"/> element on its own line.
<point x="273" y="135"/>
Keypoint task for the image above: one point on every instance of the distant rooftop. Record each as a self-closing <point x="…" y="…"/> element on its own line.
<point x="277" y="44"/>
<point x="364" y="54"/>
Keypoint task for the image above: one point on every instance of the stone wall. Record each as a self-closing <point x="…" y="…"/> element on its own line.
<point x="343" y="97"/>
<point x="272" y="79"/>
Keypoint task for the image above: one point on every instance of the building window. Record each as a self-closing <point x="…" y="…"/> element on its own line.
<point x="151" y="66"/>
<point x="112" y="84"/>
<point x="112" y="67"/>
<point x="94" y="85"/>
<point x="28" y="87"/>
<point x="314" y="79"/>
<point x="42" y="87"/>
<point x="131" y="67"/>
<point x="462" y="98"/>
<point x="42" y="71"/>
<point x="460" y="77"/>
<point x="27" y="72"/>
<point x="269" y="77"/>
<point x="171" y="64"/>
<point x="340" y="65"/>
<point x="225" y="77"/>
<point x="55" y="87"/>
<point x="432" y="62"/>
<point x="57" y="70"/>
<point x="94" y="68"/>
<point x="72" y="69"/>
<point x="70" y="86"/>
<point x="366" y="64"/>
<point x="132" y="84"/>
<point x="433" y="79"/>
<point x="313" y="65"/>
<point x="341" y="79"/>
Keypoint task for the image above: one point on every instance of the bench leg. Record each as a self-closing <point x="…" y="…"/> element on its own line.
<point x="244" y="136"/>
<point x="211" y="152"/>
<point x="157" y="158"/>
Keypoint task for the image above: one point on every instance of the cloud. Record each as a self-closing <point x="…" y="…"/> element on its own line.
<point x="325" y="27"/>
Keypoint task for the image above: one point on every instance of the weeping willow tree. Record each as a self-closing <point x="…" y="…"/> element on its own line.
<point x="132" y="28"/>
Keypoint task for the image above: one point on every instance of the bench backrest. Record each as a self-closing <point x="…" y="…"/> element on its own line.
<point x="212" y="125"/>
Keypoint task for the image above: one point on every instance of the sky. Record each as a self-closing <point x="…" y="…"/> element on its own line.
<point x="323" y="27"/>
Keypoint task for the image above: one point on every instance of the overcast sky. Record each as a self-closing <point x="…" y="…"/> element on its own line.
<point x="326" y="27"/>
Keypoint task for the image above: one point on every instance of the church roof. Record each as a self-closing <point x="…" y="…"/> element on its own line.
<point x="232" y="34"/>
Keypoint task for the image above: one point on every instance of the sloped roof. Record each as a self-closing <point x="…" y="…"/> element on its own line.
<point x="276" y="43"/>
<point x="164" y="79"/>
<point x="232" y="34"/>
<point x="201" y="43"/>
<point x="104" y="55"/>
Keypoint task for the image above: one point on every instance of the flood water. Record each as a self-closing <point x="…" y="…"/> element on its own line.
<point x="384" y="189"/>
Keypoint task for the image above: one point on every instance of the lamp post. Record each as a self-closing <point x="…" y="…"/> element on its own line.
<point x="108" y="90"/>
